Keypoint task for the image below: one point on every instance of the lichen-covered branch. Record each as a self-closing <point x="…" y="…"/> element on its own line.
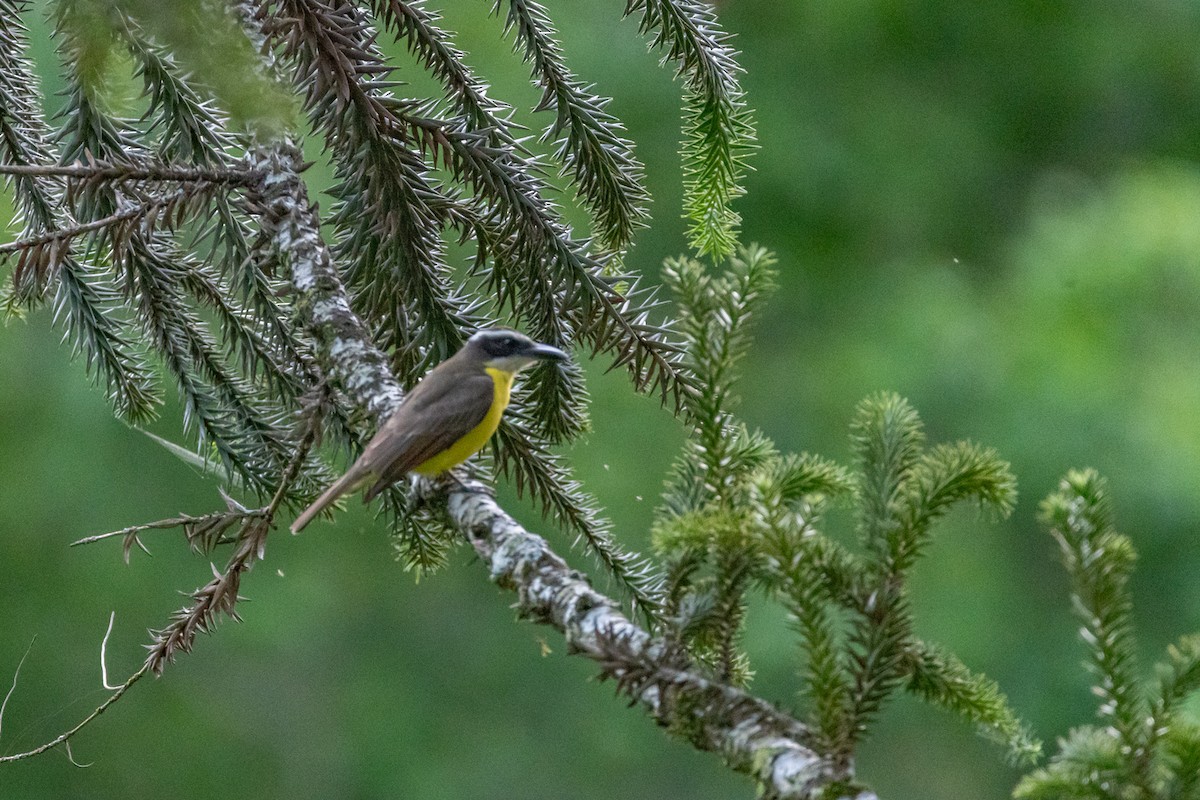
<point x="752" y="735"/>
<point x="291" y="222"/>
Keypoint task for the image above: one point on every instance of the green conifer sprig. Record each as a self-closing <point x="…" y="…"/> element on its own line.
<point x="718" y="131"/>
<point x="710" y="476"/>
<point x="790" y="494"/>
<point x="1088" y="766"/>
<point x="855" y="666"/>
<point x="714" y="317"/>
<point x="1149" y="746"/>
<point x="942" y="679"/>
<point x="888" y="438"/>
<point x="942" y="477"/>
<point x="826" y="684"/>
<point x="904" y="489"/>
<point x="1099" y="561"/>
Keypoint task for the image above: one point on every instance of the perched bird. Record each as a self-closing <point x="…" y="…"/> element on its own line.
<point x="450" y="414"/>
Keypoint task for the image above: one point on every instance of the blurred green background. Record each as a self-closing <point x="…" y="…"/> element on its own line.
<point x="990" y="208"/>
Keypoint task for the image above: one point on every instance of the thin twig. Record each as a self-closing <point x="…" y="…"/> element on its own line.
<point x="100" y="171"/>
<point x="13" y="688"/>
<point x="63" y="234"/>
<point x="172" y="522"/>
<point x="103" y="648"/>
<point x="250" y="549"/>
<point x="65" y="737"/>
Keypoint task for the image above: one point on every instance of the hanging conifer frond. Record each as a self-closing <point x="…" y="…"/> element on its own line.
<point x="466" y="93"/>
<point x="593" y="148"/>
<point x="718" y="131"/>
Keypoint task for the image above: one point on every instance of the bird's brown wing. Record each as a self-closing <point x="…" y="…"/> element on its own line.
<point x="432" y="419"/>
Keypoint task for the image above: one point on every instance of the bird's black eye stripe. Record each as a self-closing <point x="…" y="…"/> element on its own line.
<point x="503" y="345"/>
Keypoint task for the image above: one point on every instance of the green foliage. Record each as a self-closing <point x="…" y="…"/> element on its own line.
<point x="739" y="514"/>
<point x="1149" y="748"/>
<point x="1088" y="766"/>
<point x="718" y="132"/>
<point x="702" y="522"/>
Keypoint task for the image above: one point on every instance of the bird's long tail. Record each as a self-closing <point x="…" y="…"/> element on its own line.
<point x="343" y="485"/>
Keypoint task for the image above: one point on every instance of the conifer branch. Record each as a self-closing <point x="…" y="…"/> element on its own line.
<point x="592" y="143"/>
<point x="566" y="501"/>
<point x="257" y="356"/>
<point x="396" y="263"/>
<point x="417" y="25"/>
<point x="203" y="532"/>
<point x="290" y="224"/>
<point x="24" y="135"/>
<point x="220" y="595"/>
<point x="1099" y="561"/>
<point x="753" y="736"/>
<point x="100" y="171"/>
<point x="941" y="678"/>
<point x="1180" y="679"/>
<point x="718" y="133"/>
<point x="244" y="430"/>
<point x="708" y="479"/>
<point x="84" y="299"/>
<point x="114" y="225"/>
<point x="245" y="264"/>
<point x="1135" y="753"/>
<point x="189" y="129"/>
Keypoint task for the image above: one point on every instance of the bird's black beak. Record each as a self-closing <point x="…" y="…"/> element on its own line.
<point x="544" y="352"/>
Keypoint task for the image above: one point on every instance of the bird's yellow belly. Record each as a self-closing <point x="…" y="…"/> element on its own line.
<point x="477" y="437"/>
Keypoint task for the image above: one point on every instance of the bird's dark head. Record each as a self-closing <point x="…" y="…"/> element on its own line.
<point x="510" y="351"/>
